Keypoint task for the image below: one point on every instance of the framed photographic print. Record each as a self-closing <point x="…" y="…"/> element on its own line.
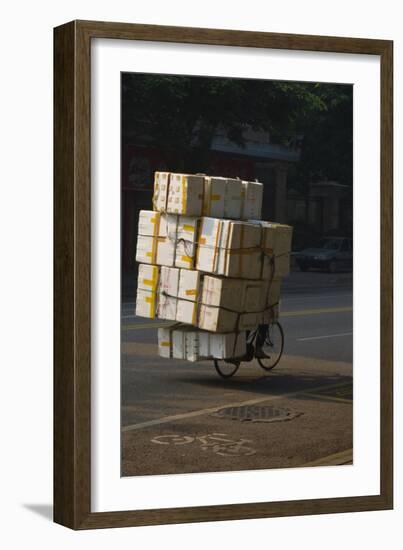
<point x="223" y="275"/>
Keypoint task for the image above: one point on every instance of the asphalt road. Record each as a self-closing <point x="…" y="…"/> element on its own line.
<point x="169" y="408"/>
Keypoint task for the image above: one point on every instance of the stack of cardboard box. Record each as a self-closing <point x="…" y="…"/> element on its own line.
<point x="208" y="262"/>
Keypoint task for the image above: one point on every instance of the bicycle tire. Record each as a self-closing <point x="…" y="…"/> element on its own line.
<point x="221" y="372"/>
<point x="260" y="360"/>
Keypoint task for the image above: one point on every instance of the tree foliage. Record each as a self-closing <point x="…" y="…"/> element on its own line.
<point x="180" y="115"/>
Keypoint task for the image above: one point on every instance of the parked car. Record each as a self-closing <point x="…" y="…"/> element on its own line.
<point x="332" y="254"/>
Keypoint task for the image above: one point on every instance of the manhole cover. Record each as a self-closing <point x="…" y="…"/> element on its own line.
<point x="257" y="414"/>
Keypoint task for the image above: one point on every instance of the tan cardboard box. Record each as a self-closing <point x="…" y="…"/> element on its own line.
<point x="161" y="186"/>
<point x="216" y="319"/>
<point x="146" y="249"/>
<point x="276" y="241"/>
<point x="242" y="263"/>
<point x="149" y="222"/>
<point x="229" y="248"/>
<point x="214" y="196"/>
<point x="233" y="199"/>
<point x="254" y="296"/>
<point x="252" y="198"/>
<point x="165" y="342"/>
<point x="145" y="303"/>
<point x="248" y="321"/>
<point x="148" y="277"/>
<point x="239" y="235"/>
<point x="185" y="195"/>
<point x="222" y="292"/>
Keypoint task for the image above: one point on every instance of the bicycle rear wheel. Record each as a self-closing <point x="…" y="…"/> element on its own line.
<point x="226" y="369"/>
<point x="273" y="347"/>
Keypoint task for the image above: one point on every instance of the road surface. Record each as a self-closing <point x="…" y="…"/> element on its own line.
<point x="172" y="411"/>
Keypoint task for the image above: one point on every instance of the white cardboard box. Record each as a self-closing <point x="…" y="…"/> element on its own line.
<point x="186" y="238"/>
<point x="227" y="346"/>
<point x="146" y="249"/>
<point x="166" y="307"/>
<point x="189" y="284"/>
<point x="146" y="303"/>
<point x="252" y="198"/>
<point x="165" y="251"/>
<point x="148" y="277"/>
<point x="149" y="222"/>
<point x="214" y="197"/>
<point x="186" y="312"/>
<point x="161" y="185"/>
<point x="168" y="292"/>
<point x="185" y="194"/>
<point x="165" y="342"/>
<point x="168" y="226"/>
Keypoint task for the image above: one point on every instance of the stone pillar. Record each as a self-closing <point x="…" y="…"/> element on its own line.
<point x="281" y="194"/>
<point x="331" y="213"/>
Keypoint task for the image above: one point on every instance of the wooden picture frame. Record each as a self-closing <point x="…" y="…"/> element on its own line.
<point x="72" y="269"/>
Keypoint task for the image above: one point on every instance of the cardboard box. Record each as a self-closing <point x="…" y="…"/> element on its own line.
<point x="186" y="312"/>
<point x="216" y="319"/>
<point x="222" y="292"/>
<point x="229" y="248"/>
<point x="243" y="263"/>
<point x="252" y="198"/>
<point x="165" y="250"/>
<point x="148" y="277"/>
<point x="189" y="284"/>
<point x="161" y="186"/>
<point x="248" y="321"/>
<point x="149" y="222"/>
<point x="239" y="235"/>
<point x="276" y="241"/>
<point x="198" y="345"/>
<point x="186" y="239"/>
<point x="179" y="342"/>
<point x="185" y="194"/>
<point x="146" y="249"/>
<point x="233" y="199"/>
<point x="168" y="292"/>
<point x="165" y="342"/>
<point x="228" y="346"/>
<point x="214" y="197"/>
<point x="168" y="226"/>
<point x="146" y="303"/>
<point x="254" y="296"/>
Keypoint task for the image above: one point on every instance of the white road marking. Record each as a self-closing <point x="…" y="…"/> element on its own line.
<point x="324" y="336"/>
<point x="201" y="412"/>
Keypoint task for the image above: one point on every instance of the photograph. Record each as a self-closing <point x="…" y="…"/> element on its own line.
<point x="236" y="274"/>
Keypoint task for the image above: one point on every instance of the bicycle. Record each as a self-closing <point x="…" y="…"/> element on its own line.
<point x="267" y="340"/>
